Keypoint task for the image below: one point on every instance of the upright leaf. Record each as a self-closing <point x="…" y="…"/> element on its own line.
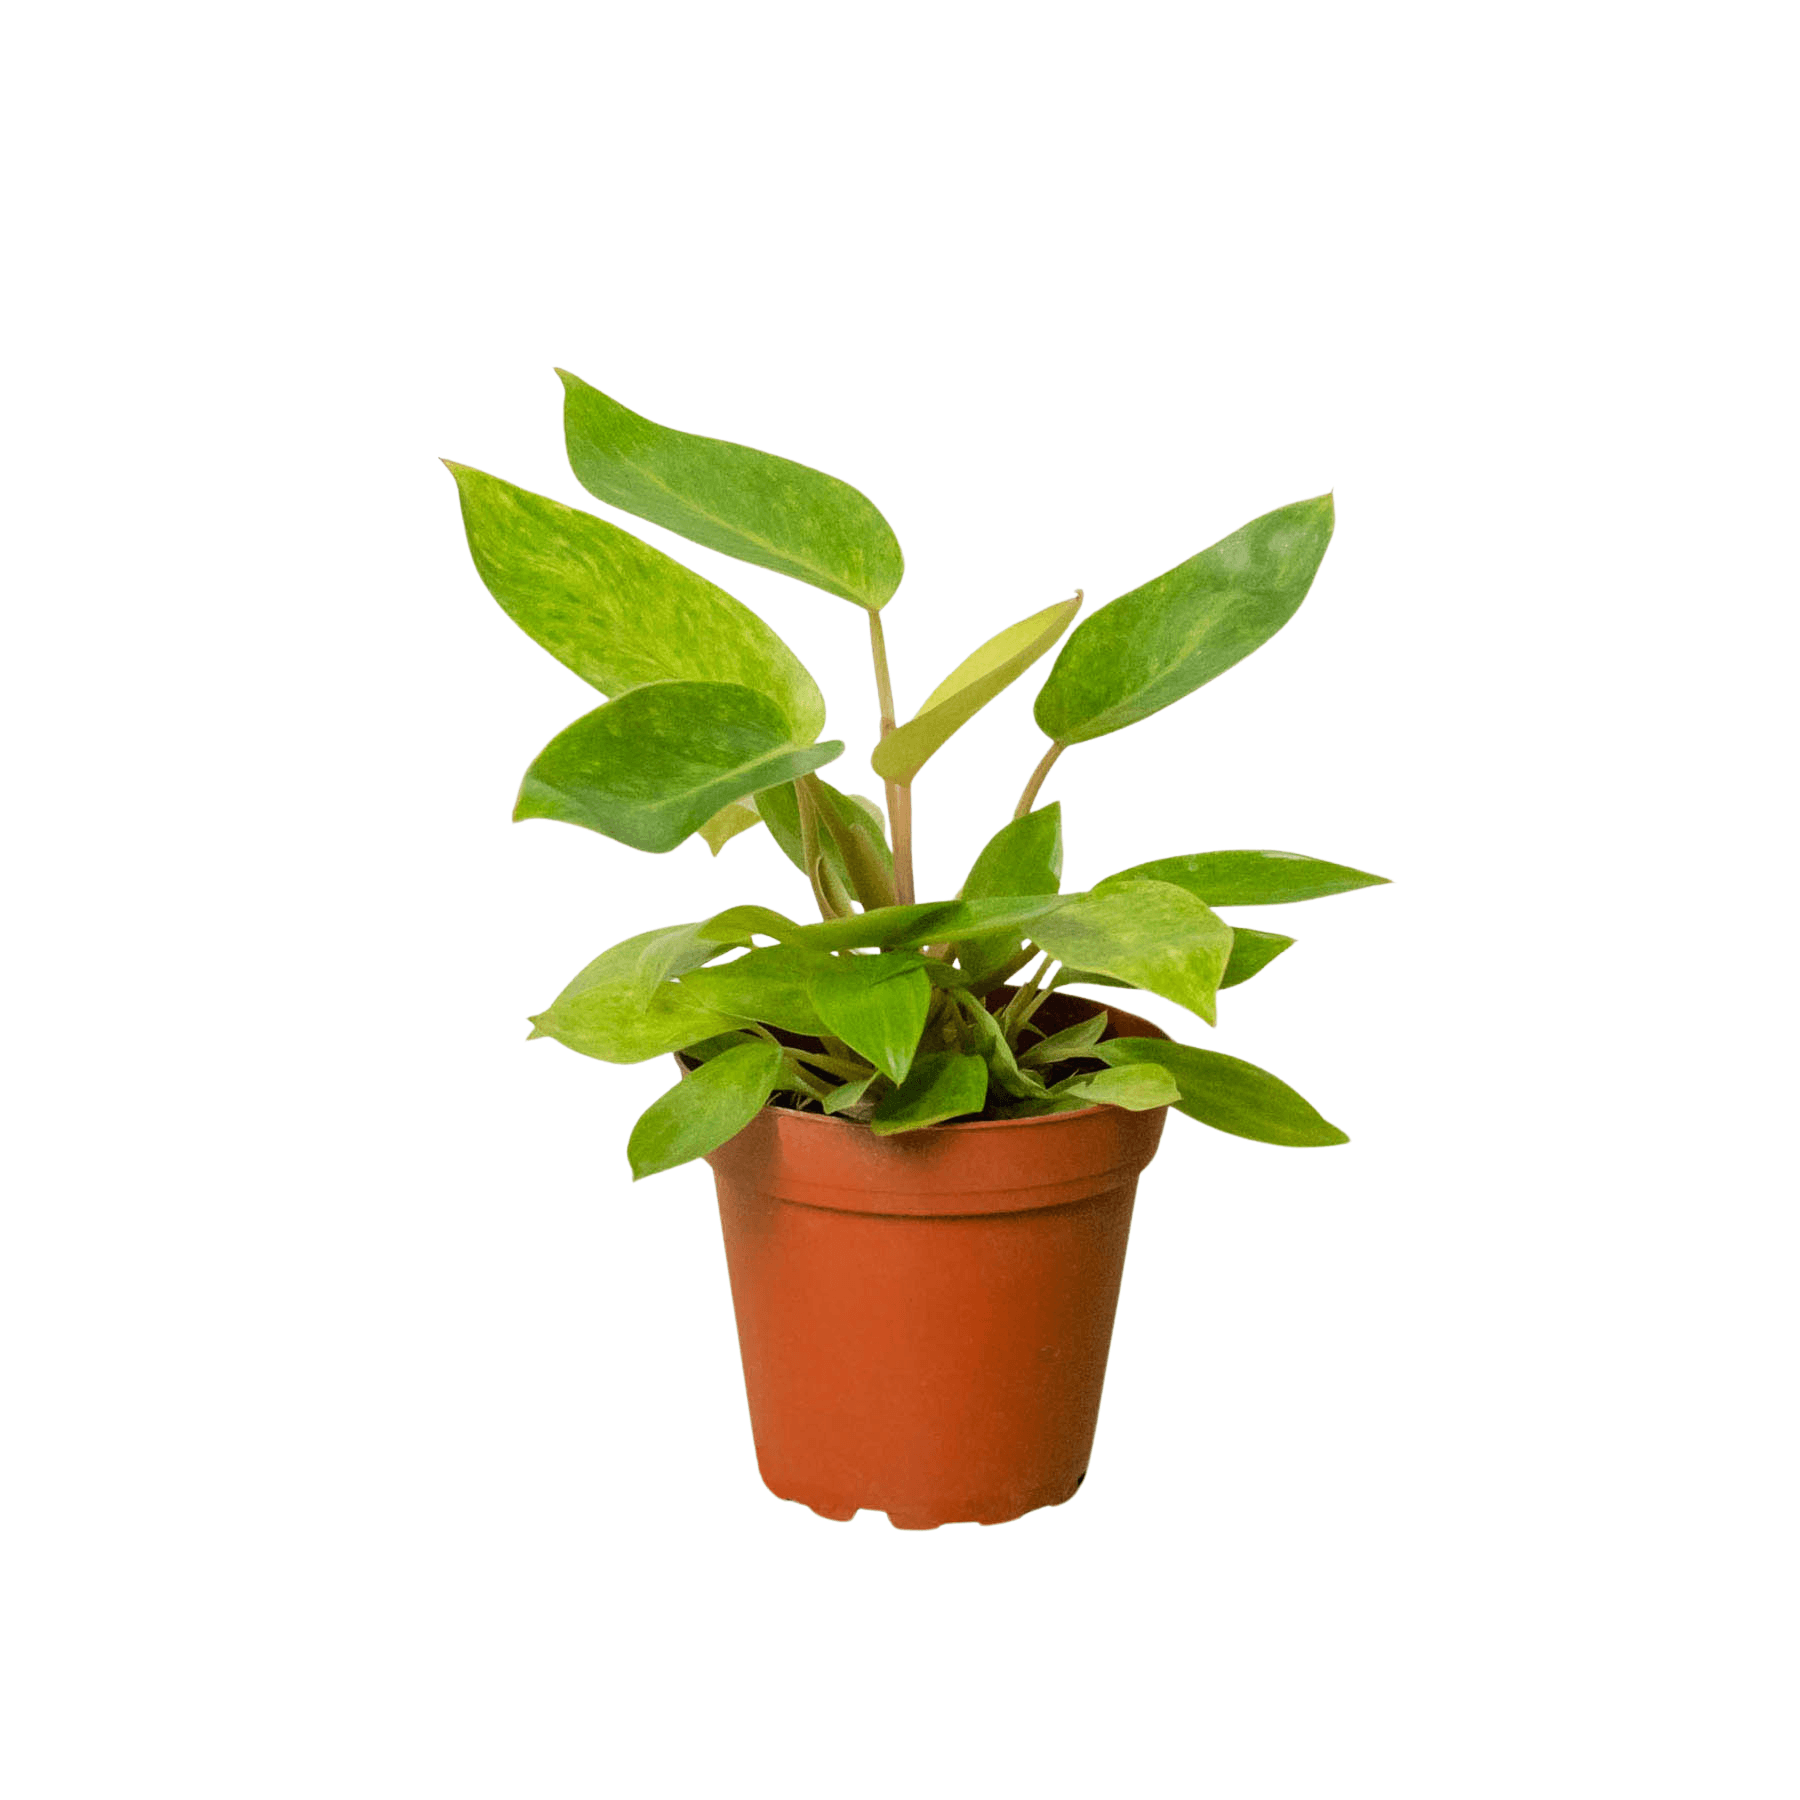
<point x="875" y="1004"/>
<point x="967" y="689"/>
<point x="940" y="1085"/>
<point x="618" y="612"/>
<point x="760" y="508"/>
<point x="1022" y="857"/>
<point x="705" y="1109"/>
<point x="991" y="1045"/>
<point x="651" y="767"/>
<point x="1251" y="877"/>
<point x="1147" y="933"/>
<point x="1149" y="648"/>
<point x="851" y="838"/>
<point x="1229" y="1095"/>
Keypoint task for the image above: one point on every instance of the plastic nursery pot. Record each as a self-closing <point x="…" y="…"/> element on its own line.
<point x="925" y="1318"/>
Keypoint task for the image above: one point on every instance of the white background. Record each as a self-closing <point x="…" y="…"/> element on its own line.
<point x="366" y="1432"/>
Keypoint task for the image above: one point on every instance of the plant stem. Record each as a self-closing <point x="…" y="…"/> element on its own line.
<point x="1021" y="1006"/>
<point x="1037" y="780"/>
<point x="899" y="799"/>
<point x="809" y="848"/>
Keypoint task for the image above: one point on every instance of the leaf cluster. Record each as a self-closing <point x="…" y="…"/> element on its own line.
<point x="889" y="1013"/>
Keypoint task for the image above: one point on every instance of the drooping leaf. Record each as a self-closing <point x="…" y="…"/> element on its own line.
<point x="706" y="1108"/>
<point x="741" y="925"/>
<point x="1137" y="1088"/>
<point x="1149" y="648"/>
<point x="1067" y="977"/>
<point x="769" y="986"/>
<point x="618" y="612"/>
<point x="875" y="1004"/>
<point x="1229" y="1095"/>
<point x="967" y="689"/>
<point x="1072" y="1041"/>
<point x="849" y="1094"/>
<point x="760" y="508"/>
<point x="1023" y="857"/>
<point x="621" y="1009"/>
<point x="1148" y="933"/>
<point x="942" y="1084"/>
<point x="651" y="767"/>
<point x="726" y="823"/>
<point x="992" y="1047"/>
<point x="1251" y="877"/>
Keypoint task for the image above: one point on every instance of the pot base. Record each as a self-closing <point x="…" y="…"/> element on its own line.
<point x="904" y="1520"/>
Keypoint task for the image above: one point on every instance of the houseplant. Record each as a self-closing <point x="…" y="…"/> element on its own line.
<point x="926" y="1146"/>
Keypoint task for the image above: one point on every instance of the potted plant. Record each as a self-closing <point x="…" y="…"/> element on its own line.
<point x="926" y="1146"/>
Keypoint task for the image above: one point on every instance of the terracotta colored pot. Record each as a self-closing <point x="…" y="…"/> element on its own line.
<point x="925" y="1318"/>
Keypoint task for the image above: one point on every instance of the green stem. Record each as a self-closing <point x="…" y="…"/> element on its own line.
<point x="899" y="798"/>
<point x="1030" y="794"/>
<point x="809" y="849"/>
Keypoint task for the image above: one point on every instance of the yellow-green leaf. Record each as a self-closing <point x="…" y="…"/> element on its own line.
<point x="968" y="688"/>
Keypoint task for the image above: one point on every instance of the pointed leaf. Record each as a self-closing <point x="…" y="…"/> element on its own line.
<point x="620" y="1009"/>
<point x="876" y="1004"/>
<point x="968" y="688"/>
<point x="617" y="612"/>
<point x="1136" y="1089"/>
<point x="769" y="986"/>
<point x="705" y="1109"/>
<point x="760" y="508"/>
<point x="941" y="1085"/>
<point x="905" y="927"/>
<point x="651" y="767"/>
<point x="1251" y="952"/>
<point x="1151" y="647"/>
<point x="1229" y="1095"/>
<point x="1153" y="935"/>
<point x="991" y="1044"/>
<point x="726" y="823"/>
<point x="850" y="1094"/>
<point x="1023" y="857"/>
<point x="1062" y="1046"/>
<point x="1251" y="877"/>
<point x="852" y="840"/>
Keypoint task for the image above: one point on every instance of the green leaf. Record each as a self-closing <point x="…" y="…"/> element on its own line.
<point x="651" y="767"/>
<point x="1251" y="877"/>
<point x="907" y="927"/>
<point x="760" y="508"/>
<point x="617" y="612"/>
<point x="1148" y="933"/>
<point x="726" y="823"/>
<point x="1251" y="952"/>
<point x="704" y="1109"/>
<point x="967" y="689"/>
<point x="1149" y="648"/>
<point x="1023" y="857"/>
<point x="848" y="1095"/>
<point x="851" y="838"/>
<point x="740" y="924"/>
<point x="768" y="985"/>
<point x="1062" y="1046"/>
<point x="991" y="1045"/>
<point x="876" y="1004"/>
<point x="940" y="1085"/>
<point x="1136" y="1089"/>
<point x="620" y="1009"/>
<point x="1229" y="1095"/>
